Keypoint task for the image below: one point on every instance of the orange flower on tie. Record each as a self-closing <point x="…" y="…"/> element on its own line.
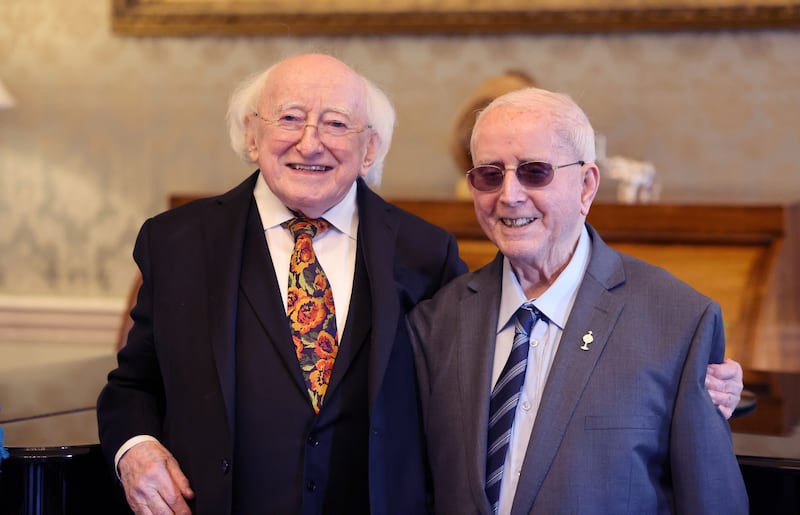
<point x="326" y="345"/>
<point x="321" y="283"/>
<point x="294" y="293"/>
<point x="329" y="300"/>
<point x="298" y="345"/>
<point x="320" y="376"/>
<point x="308" y="314"/>
<point x="303" y="255"/>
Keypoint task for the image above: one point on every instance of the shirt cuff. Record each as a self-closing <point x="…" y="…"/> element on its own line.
<point x="127" y="446"/>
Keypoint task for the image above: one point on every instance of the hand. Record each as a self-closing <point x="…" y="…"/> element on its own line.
<point x="724" y="385"/>
<point x="153" y="481"/>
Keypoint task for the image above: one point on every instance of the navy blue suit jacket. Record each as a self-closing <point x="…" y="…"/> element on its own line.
<point x="176" y="375"/>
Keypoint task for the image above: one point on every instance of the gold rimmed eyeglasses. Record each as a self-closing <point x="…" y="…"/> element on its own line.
<point x="328" y="126"/>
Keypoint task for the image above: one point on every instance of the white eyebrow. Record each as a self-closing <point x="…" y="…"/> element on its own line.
<point x="288" y="106"/>
<point x="342" y="110"/>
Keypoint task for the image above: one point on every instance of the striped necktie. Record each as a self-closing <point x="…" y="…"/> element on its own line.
<point x="503" y="403"/>
<point x="312" y="315"/>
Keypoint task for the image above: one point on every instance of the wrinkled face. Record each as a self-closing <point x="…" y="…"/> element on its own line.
<point x="537" y="228"/>
<point x="308" y="169"/>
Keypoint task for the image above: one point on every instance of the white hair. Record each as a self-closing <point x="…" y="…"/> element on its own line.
<point x="568" y="121"/>
<point x="381" y="117"/>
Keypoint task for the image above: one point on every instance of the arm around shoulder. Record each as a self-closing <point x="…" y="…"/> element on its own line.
<point x="705" y="472"/>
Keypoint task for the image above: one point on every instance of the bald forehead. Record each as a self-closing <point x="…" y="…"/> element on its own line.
<point x="512" y="116"/>
<point x="315" y="81"/>
<point x="508" y="131"/>
<point x="315" y="64"/>
<point x="534" y="114"/>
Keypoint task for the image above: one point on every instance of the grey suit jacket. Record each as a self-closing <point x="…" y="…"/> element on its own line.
<point x="625" y="427"/>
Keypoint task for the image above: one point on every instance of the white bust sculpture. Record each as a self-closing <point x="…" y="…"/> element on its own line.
<point x="636" y="180"/>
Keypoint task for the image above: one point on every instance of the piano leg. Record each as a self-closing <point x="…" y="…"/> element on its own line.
<point x="69" y="480"/>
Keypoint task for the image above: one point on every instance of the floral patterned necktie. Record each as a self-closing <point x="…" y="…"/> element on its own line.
<point x="310" y="309"/>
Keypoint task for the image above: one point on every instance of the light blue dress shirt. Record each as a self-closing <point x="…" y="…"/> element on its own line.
<point x="556" y="304"/>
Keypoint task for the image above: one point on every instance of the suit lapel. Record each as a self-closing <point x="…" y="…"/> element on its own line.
<point x="377" y="238"/>
<point x="259" y="284"/>
<point x="476" y="335"/>
<point x="596" y="309"/>
<point x="225" y="220"/>
<point x="357" y="327"/>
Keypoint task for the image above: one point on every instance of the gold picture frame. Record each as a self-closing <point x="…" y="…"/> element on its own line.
<point x="350" y="17"/>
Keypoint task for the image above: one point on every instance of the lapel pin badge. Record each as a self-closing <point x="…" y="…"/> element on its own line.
<point x="587" y="339"/>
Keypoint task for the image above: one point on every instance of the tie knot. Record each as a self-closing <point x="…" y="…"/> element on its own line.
<point x="309" y="226"/>
<point x="527" y="314"/>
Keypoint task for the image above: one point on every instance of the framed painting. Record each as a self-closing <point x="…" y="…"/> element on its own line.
<point x="349" y="17"/>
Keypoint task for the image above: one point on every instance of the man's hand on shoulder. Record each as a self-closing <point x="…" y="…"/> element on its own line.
<point x="724" y="385"/>
<point x="153" y="480"/>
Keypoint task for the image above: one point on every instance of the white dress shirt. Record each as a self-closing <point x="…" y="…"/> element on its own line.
<point x="335" y="248"/>
<point x="556" y="304"/>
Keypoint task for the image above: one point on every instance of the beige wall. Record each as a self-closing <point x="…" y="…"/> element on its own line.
<point x="106" y="127"/>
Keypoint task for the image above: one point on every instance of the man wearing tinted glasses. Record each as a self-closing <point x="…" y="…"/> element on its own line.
<point x="566" y="377"/>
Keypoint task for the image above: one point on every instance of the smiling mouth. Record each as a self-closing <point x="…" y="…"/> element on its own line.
<point x="516" y="222"/>
<point x="310" y="168"/>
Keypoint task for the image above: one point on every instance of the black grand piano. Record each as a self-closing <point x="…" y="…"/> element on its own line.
<point x="55" y="466"/>
<point x="64" y="480"/>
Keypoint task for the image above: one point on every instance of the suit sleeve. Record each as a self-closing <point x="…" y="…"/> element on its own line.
<point x="454" y="266"/>
<point x="132" y="401"/>
<point x="701" y="450"/>
<point x="418" y="325"/>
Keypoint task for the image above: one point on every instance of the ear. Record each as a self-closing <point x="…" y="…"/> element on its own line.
<point x="250" y="138"/>
<point x="591" y="182"/>
<point x="371" y="152"/>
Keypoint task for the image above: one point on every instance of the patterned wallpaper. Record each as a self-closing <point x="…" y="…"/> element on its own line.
<point x="106" y="127"/>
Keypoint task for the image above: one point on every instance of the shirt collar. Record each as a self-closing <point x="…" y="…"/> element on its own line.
<point x="556" y="302"/>
<point x="343" y="216"/>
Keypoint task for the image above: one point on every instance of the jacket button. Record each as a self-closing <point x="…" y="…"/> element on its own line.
<point x="225" y="466"/>
<point x="311" y="486"/>
<point x="313" y="442"/>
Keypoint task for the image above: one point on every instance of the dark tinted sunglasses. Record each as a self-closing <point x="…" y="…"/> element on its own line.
<point x="531" y="174"/>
